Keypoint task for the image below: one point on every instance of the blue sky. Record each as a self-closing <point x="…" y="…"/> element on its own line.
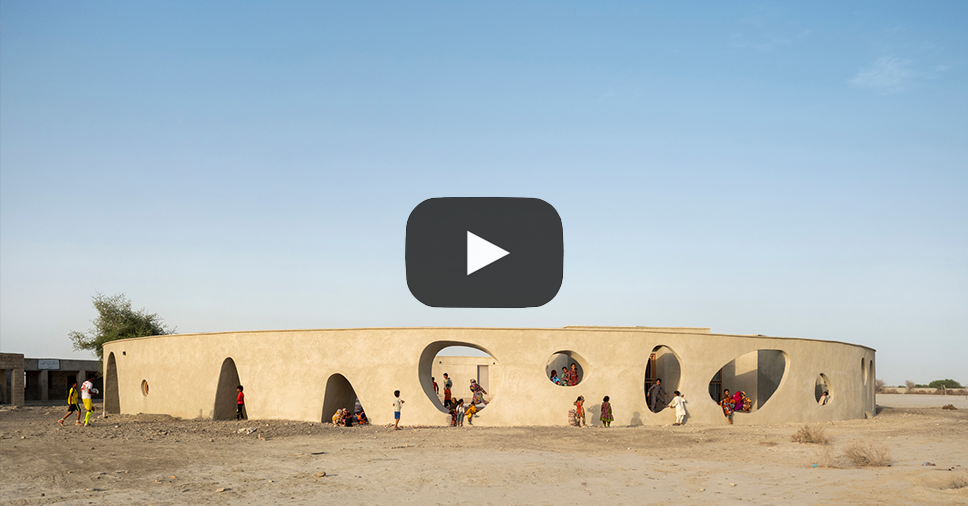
<point x="767" y="168"/>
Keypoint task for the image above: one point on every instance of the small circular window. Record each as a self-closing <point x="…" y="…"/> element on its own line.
<point x="564" y="368"/>
<point x="144" y="388"/>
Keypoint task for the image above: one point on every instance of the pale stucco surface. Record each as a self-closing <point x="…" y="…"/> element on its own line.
<point x="285" y="373"/>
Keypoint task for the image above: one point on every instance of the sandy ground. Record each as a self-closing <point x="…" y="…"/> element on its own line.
<point x="151" y="459"/>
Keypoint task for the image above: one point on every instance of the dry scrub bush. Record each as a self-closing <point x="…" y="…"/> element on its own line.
<point x="948" y="406"/>
<point x="808" y="434"/>
<point x="826" y="457"/>
<point x="867" y="454"/>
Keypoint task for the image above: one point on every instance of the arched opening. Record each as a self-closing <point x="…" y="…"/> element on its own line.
<point x="863" y="368"/>
<point x="339" y="395"/>
<point x="461" y="362"/>
<point x="112" y="399"/>
<point x="758" y="374"/>
<point x="560" y="367"/>
<point x="823" y="387"/>
<point x="226" y="393"/>
<point x="663" y="365"/>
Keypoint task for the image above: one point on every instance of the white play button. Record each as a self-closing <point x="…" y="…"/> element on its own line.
<point x="481" y="253"/>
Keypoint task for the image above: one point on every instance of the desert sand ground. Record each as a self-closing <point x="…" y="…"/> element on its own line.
<point x="152" y="459"/>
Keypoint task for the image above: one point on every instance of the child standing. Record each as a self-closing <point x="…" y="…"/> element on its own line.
<point x="240" y="404"/>
<point x="580" y="412"/>
<point x="397" y="407"/>
<point x="606" y="417"/>
<point x="679" y="403"/>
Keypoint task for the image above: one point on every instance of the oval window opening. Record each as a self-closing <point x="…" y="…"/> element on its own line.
<point x="822" y="390"/>
<point x="755" y="376"/>
<point x="662" y="374"/>
<point x="863" y="369"/>
<point x="471" y="372"/>
<point x="144" y="388"/>
<point x="565" y="368"/>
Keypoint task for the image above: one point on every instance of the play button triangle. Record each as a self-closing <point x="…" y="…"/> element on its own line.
<point x="481" y="253"/>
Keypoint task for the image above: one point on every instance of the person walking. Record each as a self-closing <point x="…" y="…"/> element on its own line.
<point x="655" y="392"/>
<point x="679" y="403"/>
<point x="72" y="405"/>
<point x="436" y="388"/>
<point x="397" y="407"/>
<point x="87" y="388"/>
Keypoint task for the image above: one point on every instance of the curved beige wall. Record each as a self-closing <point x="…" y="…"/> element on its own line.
<point x="285" y="373"/>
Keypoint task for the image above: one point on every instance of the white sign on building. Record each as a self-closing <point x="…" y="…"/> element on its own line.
<point x="51" y="364"/>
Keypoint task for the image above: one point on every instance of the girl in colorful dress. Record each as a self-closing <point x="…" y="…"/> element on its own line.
<point x="727" y="404"/>
<point x="580" y="412"/>
<point x="554" y="377"/>
<point x="478" y="393"/>
<point x="606" y="417"/>
<point x="738" y="401"/>
<point x="572" y="376"/>
<point x="470" y="412"/>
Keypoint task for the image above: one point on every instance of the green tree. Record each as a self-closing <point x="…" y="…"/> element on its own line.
<point x="950" y="383"/>
<point x="116" y="320"/>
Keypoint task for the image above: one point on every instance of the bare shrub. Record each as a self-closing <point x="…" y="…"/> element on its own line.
<point x="948" y="406"/>
<point x="808" y="434"/>
<point x="826" y="457"/>
<point x="909" y="385"/>
<point x="879" y="385"/>
<point x="867" y="454"/>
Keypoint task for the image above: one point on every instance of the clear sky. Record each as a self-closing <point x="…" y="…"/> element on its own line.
<point x="773" y="169"/>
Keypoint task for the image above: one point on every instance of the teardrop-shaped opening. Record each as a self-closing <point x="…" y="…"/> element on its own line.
<point x="226" y="394"/>
<point x="822" y="391"/>
<point x="112" y="398"/>
<point x="340" y="396"/>
<point x="472" y="372"/>
<point x="662" y="374"/>
<point x="755" y="375"/>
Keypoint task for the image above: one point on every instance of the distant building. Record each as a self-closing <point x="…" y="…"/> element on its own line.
<point x="43" y="379"/>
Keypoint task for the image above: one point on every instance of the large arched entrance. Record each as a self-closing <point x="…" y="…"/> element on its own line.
<point x="758" y="374"/>
<point x="339" y="395"/>
<point x="663" y="365"/>
<point x="112" y="400"/>
<point x="464" y="362"/>
<point x="226" y="393"/>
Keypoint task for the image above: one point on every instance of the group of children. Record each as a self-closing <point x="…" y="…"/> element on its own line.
<point x="73" y="406"/>
<point x="345" y="418"/>
<point x="578" y="414"/>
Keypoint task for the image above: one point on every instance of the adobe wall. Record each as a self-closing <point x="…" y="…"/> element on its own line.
<point x="285" y="373"/>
